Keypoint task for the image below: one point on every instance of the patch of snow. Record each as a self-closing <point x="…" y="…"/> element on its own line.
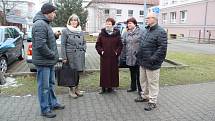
<point x="10" y="82"/>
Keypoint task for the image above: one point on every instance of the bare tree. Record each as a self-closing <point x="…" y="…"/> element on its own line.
<point x="6" y="6"/>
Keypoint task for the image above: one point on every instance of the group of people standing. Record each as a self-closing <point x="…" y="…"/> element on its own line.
<point x="145" y="50"/>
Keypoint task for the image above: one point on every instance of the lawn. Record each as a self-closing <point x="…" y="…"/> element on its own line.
<point x="89" y="38"/>
<point x="201" y="69"/>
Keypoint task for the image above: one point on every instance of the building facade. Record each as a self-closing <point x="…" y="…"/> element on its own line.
<point x="19" y="12"/>
<point x="120" y="10"/>
<point x="191" y="19"/>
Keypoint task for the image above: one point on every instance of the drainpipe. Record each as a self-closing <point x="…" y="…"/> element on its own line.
<point x="145" y="14"/>
<point x="205" y="21"/>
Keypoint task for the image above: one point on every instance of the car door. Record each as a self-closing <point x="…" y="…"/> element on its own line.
<point x="11" y="52"/>
<point x="18" y="42"/>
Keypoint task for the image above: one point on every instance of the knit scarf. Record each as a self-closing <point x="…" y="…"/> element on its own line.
<point x="72" y="29"/>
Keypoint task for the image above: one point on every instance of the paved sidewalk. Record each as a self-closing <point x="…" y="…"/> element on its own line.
<point x="176" y="103"/>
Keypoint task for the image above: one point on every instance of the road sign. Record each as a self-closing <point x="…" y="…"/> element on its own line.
<point x="156" y="10"/>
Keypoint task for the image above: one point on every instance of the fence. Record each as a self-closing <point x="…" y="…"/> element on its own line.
<point x="207" y="36"/>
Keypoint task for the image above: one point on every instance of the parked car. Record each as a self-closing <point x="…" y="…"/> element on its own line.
<point x="29" y="35"/>
<point x="121" y="27"/>
<point x="11" y="46"/>
<point x="29" y="50"/>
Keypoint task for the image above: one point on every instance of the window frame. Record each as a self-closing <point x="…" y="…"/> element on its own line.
<point x="105" y="10"/>
<point x="130" y="15"/>
<point x="141" y="11"/>
<point x="164" y="15"/>
<point x="119" y="14"/>
<point x="173" y="20"/>
<point x="183" y="20"/>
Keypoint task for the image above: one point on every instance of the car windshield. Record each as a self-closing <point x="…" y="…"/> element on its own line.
<point x="1" y="35"/>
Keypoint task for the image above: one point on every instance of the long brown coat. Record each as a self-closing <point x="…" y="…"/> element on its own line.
<point x="111" y="45"/>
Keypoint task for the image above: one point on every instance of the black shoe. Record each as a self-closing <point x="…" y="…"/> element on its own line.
<point x="49" y="114"/>
<point x="131" y="90"/>
<point x="59" y="107"/>
<point x="102" y="91"/>
<point x="110" y="90"/>
<point x="150" y="107"/>
<point x="141" y="99"/>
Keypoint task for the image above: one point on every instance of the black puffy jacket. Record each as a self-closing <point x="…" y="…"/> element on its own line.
<point x="153" y="48"/>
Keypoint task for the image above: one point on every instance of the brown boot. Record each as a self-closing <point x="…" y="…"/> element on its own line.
<point x="78" y="92"/>
<point x="72" y="92"/>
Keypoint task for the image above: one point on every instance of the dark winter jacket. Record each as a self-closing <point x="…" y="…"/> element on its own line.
<point x="153" y="48"/>
<point x="44" y="45"/>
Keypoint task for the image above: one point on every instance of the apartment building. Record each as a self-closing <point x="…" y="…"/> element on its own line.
<point x="191" y="19"/>
<point x="120" y="10"/>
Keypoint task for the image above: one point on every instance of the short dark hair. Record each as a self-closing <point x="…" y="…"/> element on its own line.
<point x="133" y="20"/>
<point x="111" y="20"/>
<point x="48" y="8"/>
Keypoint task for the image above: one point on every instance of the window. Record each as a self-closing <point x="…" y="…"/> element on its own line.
<point x="107" y="11"/>
<point x="172" y="17"/>
<point x="118" y="12"/>
<point x="130" y="13"/>
<point x="183" y="16"/>
<point x="164" y="18"/>
<point x="141" y="13"/>
<point x="7" y="34"/>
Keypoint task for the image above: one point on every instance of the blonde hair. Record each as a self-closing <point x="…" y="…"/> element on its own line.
<point x="73" y="16"/>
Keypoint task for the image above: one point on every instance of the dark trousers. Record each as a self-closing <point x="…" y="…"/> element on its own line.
<point x="135" y="78"/>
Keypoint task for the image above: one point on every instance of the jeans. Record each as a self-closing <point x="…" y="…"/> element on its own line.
<point x="46" y="82"/>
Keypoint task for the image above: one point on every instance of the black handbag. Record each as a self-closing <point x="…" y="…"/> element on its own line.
<point x="66" y="76"/>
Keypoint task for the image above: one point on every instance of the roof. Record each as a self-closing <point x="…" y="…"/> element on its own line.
<point x="138" y="2"/>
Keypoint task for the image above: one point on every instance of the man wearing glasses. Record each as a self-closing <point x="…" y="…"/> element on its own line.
<point x="150" y="56"/>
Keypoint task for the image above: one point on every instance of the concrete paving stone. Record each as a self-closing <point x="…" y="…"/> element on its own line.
<point x="192" y="102"/>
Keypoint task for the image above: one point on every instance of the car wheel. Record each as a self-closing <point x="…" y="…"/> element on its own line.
<point x="3" y="64"/>
<point x="22" y="54"/>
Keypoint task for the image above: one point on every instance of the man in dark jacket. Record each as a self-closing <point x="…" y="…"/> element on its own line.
<point x="44" y="57"/>
<point x="150" y="56"/>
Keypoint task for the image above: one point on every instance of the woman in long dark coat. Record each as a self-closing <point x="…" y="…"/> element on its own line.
<point x="73" y="51"/>
<point x="109" y="46"/>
